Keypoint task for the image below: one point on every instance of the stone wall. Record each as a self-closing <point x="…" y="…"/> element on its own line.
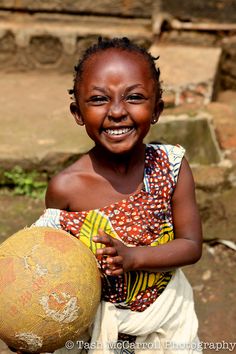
<point x="43" y="41"/>
<point x="51" y="34"/>
<point x="210" y="23"/>
<point x="228" y="68"/>
<point x="130" y="8"/>
<point x="199" y="10"/>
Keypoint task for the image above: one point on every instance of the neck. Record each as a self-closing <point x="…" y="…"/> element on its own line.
<point x="118" y="163"/>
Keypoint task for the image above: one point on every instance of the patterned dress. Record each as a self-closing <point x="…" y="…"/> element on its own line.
<point x="142" y="219"/>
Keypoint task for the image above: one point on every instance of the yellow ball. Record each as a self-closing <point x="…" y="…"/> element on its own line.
<point x="49" y="289"/>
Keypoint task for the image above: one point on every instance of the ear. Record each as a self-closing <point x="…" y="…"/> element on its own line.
<point x="157" y="111"/>
<point x="75" y="111"/>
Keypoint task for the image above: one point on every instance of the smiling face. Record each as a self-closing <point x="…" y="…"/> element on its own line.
<point x="116" y="99"/>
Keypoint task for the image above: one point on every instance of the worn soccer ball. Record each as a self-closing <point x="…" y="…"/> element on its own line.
<point x="49" y="289"/>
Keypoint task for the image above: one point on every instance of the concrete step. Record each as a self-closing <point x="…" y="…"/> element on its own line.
<point x="188" y="77"/>
<point x="36" y="123"/>
<point x="184" y="129"/>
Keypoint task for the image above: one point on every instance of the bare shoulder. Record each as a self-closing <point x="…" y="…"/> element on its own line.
<point x="56" y="195"/>
<point x="63" y="186"/>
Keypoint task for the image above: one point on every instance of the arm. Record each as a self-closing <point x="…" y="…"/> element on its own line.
<point x="184" y="249"/>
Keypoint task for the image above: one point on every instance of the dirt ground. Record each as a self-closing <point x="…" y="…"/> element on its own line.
<point x="212" y="278"/>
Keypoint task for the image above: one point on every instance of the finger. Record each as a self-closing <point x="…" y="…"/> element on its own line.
<point x="101" y="232"/>
<point x="106" y="251"/>
<point x="104" y="239"/>
<point x="116" y="272"/>
<point x="115" y="261"/>
<point x="115" y="268"/>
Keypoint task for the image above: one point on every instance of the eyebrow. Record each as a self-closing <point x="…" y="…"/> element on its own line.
<point x="130" y="88"/>
<point x="99" y="89"/>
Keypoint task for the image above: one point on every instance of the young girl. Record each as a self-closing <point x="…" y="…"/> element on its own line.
<point x="132" y="204"/>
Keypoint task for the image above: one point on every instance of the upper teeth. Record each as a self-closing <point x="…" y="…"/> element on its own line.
<point x="117" y="131"/>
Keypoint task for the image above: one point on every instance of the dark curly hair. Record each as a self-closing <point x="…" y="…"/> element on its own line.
<point x="120" y="43"/>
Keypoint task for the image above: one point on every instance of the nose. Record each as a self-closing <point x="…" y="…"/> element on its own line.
<point x="117" y="111"/>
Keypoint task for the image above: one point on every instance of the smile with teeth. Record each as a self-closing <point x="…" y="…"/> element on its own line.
<point x="118" y="131"/>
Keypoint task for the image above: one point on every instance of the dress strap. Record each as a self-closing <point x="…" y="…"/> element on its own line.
<point x="175" y="155"/>
<point x="50" y="218"/>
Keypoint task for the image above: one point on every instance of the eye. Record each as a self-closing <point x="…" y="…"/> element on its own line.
<point x="135" y="98"/>
<point x="98" y="100"/>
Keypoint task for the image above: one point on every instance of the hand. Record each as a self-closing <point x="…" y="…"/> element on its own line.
<point x="115" y="254"/>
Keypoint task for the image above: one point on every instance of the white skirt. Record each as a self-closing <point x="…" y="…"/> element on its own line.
<point x="168" y="326"/>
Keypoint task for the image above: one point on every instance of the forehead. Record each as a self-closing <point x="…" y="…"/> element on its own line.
<point x="115" y="60"/>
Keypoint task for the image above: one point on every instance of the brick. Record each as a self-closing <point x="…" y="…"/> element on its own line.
<point x="210" y="177"/>
<point x="232" y="156"/>
<point x="225" y="124"/>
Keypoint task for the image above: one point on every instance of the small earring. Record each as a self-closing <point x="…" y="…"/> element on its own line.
<point x="154" y="120"/>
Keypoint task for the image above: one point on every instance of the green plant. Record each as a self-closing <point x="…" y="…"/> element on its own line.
<point x="25" y="183"/>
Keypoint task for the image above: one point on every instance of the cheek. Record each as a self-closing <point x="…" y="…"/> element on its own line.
<point x="92" y="115"/>
<point x="143" y="114"/>
<point x="93" y="121"/>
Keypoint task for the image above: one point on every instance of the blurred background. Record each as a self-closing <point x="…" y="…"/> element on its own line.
<point x="41" y="41"/>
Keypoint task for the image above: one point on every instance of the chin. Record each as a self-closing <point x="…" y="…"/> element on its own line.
<point x="119" y="147"/>
<point x="121" y="150"/>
